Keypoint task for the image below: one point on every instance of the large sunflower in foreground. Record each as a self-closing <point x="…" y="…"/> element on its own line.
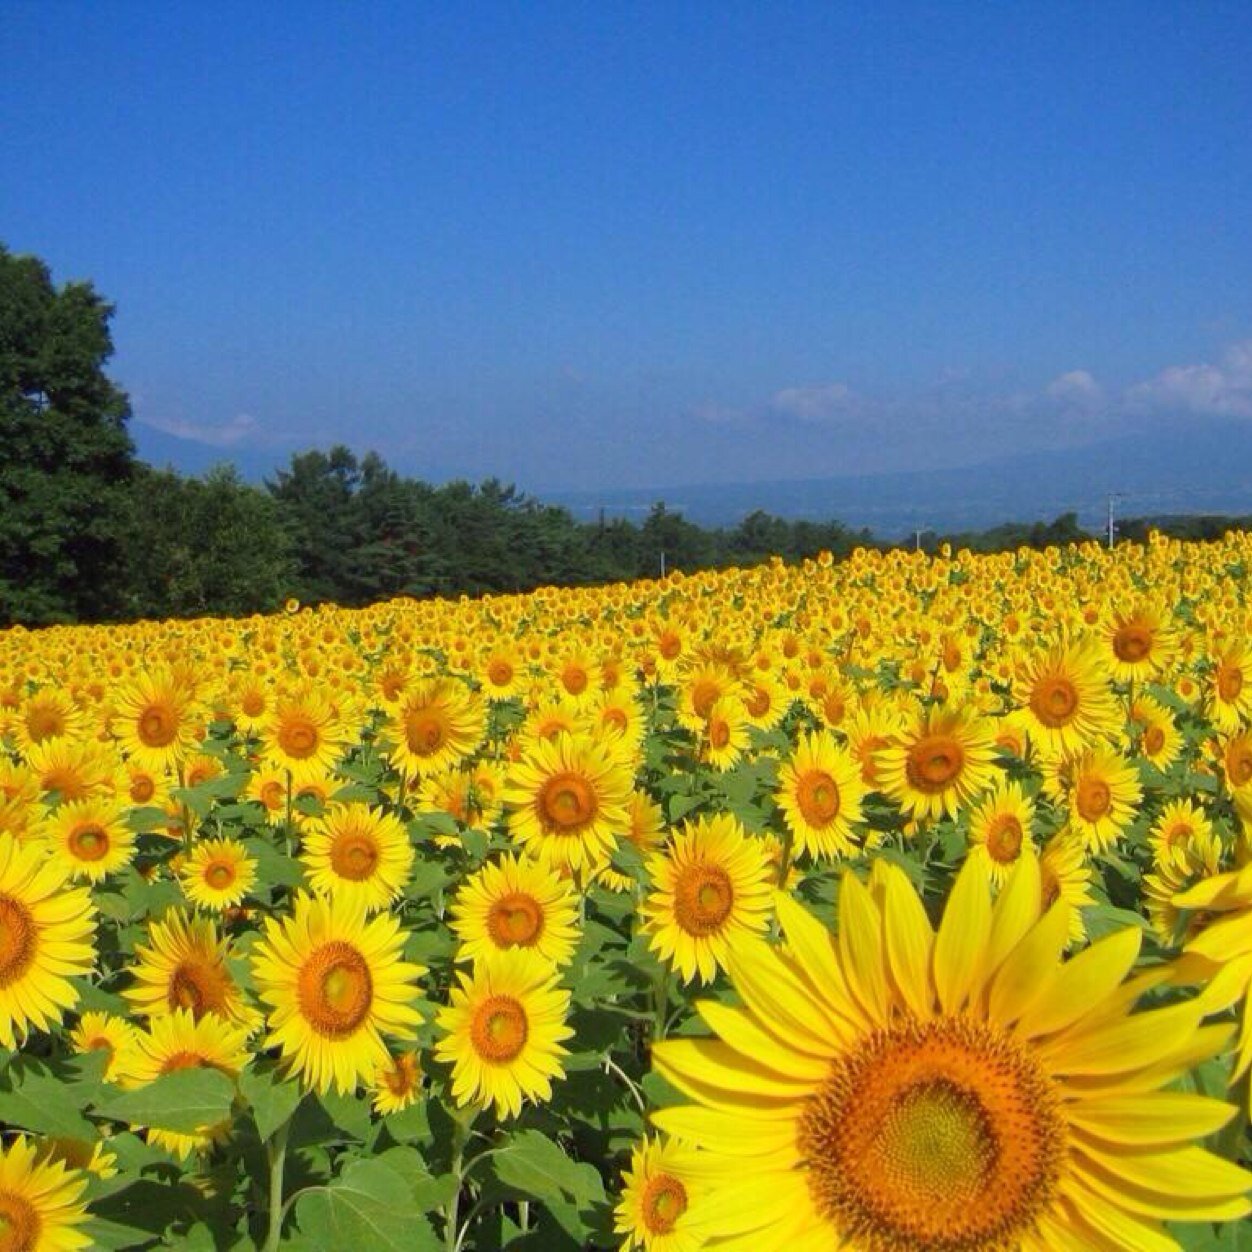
<point x="335" y="983"/>
<point x="46" y="932"/>
<point x="939" y="763"/>
<point x="568" y="800"/>
<point x="890" y="1089"/>
<point x="40" y="1201"/>
<point x="503" y="1030"/>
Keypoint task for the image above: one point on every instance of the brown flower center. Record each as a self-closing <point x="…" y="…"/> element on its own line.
<point x="424" y="732"/>
<point x="1229" y="682"/>
<point x="335" y="990"/>
<point x="664" y="1202"/>
<point x="44" y="722"/>
<point x="219" y="874"/>
<point x="934" y="763"/>
<point x="142" y="788"/>
<point x="298" y="736"/>
<point x="354" y="856"/>
<point x="817" y="797"/>
<point x="936" y="1137"/>
<point x="199" y="985"/>
<point x="1132" y="642"/>
<point x="703" y="899"/>
<point x="567" y="803"/>
<point x="19" y="939"/>
<point x="1054" y="701"/>
<point x="157" y="726"/>
<point x="1004" y="838"/>
<point x="1092" y="798"/>
<point x="515" y="920"/>
<point x="499" y="1029"/>
<point x="20" y="1224"/>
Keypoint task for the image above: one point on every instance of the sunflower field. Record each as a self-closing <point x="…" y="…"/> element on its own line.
<point x="889" y="904"/>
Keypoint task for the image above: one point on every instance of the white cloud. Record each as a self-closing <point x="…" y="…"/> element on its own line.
<point x="224" y="435"/>
<point x="1223" y="390"/>
<point x="717" y="414"/>
<point x="815" y="404"/>
<point x="1077" y="387"/>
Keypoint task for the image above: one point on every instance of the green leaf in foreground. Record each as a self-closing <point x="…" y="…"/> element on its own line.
<point x="370" y="1205"/>
<point x="532" y="1164"/>
<point x="184" y="1101"/>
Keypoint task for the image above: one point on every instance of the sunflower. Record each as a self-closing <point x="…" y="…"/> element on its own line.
<point x="46" y="933"/>
<point x="501" y="672"/>
<point x="154" y="720"/>
<point x="1065" y="876"/>
<point x="438" y="724"/>
<point x="710" y="888"/>
<point x="89" y="839"/>
<point x="765" y="700"/>
<point x="999" y="829"/>
<point x="1066" y="701"/>
<point x="890" y="1089"/>
<point x="185" y="966"/>
<point x="616" y="714"/>
<point x="303" y="734"/>
<point x="516" y="903"/>
<point x="664" y="1179"/>
<point x="72" y="770"/>
<point x="217" y="874"/>
<point x="470" y="794"/>
<point x="1180" y="824"/>
<point x="268" y="787"/>
<point x="502" y="1031"/>
<point x="361" y="855"/>
<point x="398" y="1083"/>
<point x="1183" y="863"/>
<point x="939" y="763"/>
<point x="1159" y="740"/>
<point x="700" y="686"/>
<point x="1139" y="643"/>
<point x="335" y="983"/>
<point x="107" y="1033"/>
<point x="142" y="787"/>
<point x="724" y="738"/>
<point x="820" y="793"/>
<point x="47" y="715"/>
<point x="179" y="1041"/>
<point x="1104" y="793"/>
<point x="40" y="1201"/>
<point x="1229" y="689"/>
<point x="567" y="800"/>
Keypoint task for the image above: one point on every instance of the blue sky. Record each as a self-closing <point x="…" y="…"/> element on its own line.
<point x="594" y="245"/>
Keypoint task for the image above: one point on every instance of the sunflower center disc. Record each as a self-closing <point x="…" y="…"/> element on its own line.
<point x="499" y="1029"/>
<point x="18" y="939"/>
<point x="1093" y="799"/>
<point x="933" y="763"/>
<point x="567" y="802"/>
<point x="817" y="797"/>
<point x="219" y="875"/>
<point x="719" y="733"/>
<point x="1153" y="740"/>
<point x="1004" y="839"/>
<point x="574" y="679"/>
<point x="935" y="1137"/>
<point x="354" y="857"/>
<point x="44" y="724"/>
<point x="142" y="789"/>
<point x="198" y="985"/>
<point x="515" y="920"/>
<point x="704" y="696"/>
<point x="1239" y="764"/>
<point x="19" y="1224"/>
<point x="156" y="727"/>
<point x="1054" y="702"/>
<point x="664" y="1202"/>
<point x="335" y="990"/>
<point x="89" y="842"/>
<point x="252" y="704"/>
<point x="424" y="733"/>
<point x="1132" y="642"/>
<point x="1229" y="682"/>
<point x="703" y="899"/>
<point x="298" y="738"/>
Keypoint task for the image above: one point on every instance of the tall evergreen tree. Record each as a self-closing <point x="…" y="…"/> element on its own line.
<point x="66" y="454"/>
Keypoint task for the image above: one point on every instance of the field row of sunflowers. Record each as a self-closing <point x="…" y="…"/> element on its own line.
<point x="900" y="903"/>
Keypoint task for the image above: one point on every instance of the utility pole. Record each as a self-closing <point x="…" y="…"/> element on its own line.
<point x="662" y="563"/>
<point x="1113" y="496"/>
<point x="917" y="539"/>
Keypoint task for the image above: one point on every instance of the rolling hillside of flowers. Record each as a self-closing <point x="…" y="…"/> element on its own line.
<point x="891" y="904"/>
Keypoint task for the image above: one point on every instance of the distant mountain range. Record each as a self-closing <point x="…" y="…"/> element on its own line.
<point x="1188" y="466"/>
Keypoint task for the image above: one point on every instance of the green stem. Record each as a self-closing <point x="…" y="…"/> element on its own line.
<point x="460" y="1137"/>
<point x="784" y="859"/>
<point x="660" y="1003"/>
<point x="276" y="1151"/>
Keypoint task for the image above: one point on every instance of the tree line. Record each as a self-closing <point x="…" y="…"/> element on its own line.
<point x="88" y="532"/>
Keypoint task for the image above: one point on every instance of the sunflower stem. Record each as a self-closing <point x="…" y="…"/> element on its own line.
<point x="660" y="1003"/>
<point x="460" y="1137"/>
<point x="784" y="859"/>
<point x="276" y="1151"/>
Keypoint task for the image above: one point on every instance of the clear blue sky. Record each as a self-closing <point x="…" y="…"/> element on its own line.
<point x="615" y="244"/>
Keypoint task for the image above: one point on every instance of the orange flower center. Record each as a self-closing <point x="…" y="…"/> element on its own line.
<point x="567" y="803"/>
<point x="574" y="679"/>
<point x="157" y="726"/>
<point x="1239" y="763"/>
<point x="200" y="985"/>
<point x="499" y="1029"/>
<point x="515" y="920"/>
<point x="664" y="1202"/>
<point x="934" y="763"/>
<point x="298" y="736"/>
<point x="253" y="703"/>
<point x="20" y="1224"/>
<point x="89" y="842"/>
<point x="1132" y="642"/>
<point x="354" y="856"/>
<point x="424" y="732"/>
<point x="1092" y="798"/>
<point x="335" y="990"/>
<point x="19" y="939"/>
<point x="1054" y="701"/>
<point x="1004" y="838"/>
<point x="142" y="788"/>
<point x="219" y="875"/>
<point x="817" y="797"/>
<point x="273" y="795"/>
<point x="704" y="695"/>
<point x="938" y="1135"/>
<point x="1229" y="682"/>
<point x="719" y="733"/>
<point x="1153" y="740"/>
<point x="43" y="723"/>
<point x="703" y="899"/>
<point x="499" y="673"/>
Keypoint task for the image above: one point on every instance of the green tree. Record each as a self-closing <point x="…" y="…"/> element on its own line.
<point x="67" y="457"/>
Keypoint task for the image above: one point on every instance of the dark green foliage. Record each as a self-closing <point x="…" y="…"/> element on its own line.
<point x="67" y="458"/>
